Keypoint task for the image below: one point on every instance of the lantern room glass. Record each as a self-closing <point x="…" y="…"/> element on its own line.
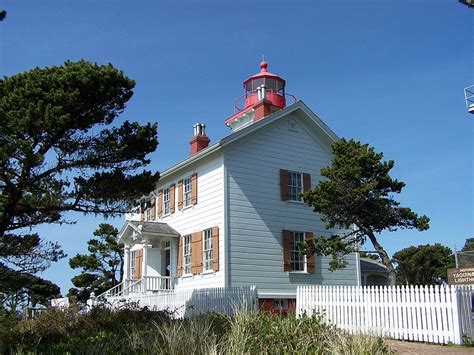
<point x="272" y="84"/>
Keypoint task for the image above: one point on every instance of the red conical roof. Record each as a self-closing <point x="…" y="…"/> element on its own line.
<point x="264" y="73"/>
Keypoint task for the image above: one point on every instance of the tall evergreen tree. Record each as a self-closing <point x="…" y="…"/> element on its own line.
<point x="102" y="268"/>
<point x="357" y="194"/>
<point x="61" y="150"/>
<point x="19" y="290"/>
<point x="424" y="264"/>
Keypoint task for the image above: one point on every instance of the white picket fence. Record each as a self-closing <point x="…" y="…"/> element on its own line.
<point x="188" y="303"/>
<point x="434" y="314"/>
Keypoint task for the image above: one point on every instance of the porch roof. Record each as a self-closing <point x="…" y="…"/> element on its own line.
<point x="371" y="266"/>
<point x="132" y="229"/>
<point x="155" y="228"/>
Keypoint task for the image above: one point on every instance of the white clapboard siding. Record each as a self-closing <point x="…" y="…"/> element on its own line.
<point x="207" y="213"/>
<point x="187" y="303"/>
<point x="257" y="215"/>
<point x="435" y="314"/>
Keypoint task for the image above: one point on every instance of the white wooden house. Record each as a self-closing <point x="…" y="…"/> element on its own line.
<point x="231" y="214"/>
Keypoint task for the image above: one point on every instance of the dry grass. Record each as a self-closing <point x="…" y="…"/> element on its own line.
<point x="146" y="332"/>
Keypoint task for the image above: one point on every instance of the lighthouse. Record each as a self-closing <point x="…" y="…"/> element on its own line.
<point x="264" y="94"/>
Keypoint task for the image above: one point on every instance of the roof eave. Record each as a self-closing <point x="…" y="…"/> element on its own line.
<point x="244" y="131"/>
<point x="275" y="116"/>
<point x="203" y="153"/>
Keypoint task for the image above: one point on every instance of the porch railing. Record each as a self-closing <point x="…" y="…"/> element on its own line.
<point x="145" y="284"/>
<point x="157" y="283"/>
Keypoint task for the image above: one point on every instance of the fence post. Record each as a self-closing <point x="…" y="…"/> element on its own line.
<point x="457" y="327"/>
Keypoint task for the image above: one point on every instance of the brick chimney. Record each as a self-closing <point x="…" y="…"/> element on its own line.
<point x="199" y="141"/>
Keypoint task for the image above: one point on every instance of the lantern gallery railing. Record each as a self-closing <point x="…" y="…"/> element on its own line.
<point x="256" y="95"/>
<point x="469" y="97"/>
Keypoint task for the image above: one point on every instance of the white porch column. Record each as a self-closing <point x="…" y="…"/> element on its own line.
<point x="145" y="263"/>
<point x="173" y="260"/>
<point x="126" y="263"/>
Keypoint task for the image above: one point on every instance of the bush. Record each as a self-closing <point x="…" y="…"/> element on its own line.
<point x="70" y="330"/>
<point x="141" y="331"/>
<point x="8" y="321"/>
<point x="272" y="333"/>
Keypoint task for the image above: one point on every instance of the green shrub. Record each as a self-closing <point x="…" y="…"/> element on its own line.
<point x="141" y="331"/>
<point x="68" y="330"/>
<point x="266" y="332"/>
<point x="8" y="321"/>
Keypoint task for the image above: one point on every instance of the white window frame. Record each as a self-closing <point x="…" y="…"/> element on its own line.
<point x="187" y="254"/>
<point x="298" y="260"/>
<point x="147" y="211"/>
<point x="166" y="201"/>
<point x="133" y="262"/>
<point x="207" y="250"/>
<point x="187" y="191"/>
<point x="295" y="186"/>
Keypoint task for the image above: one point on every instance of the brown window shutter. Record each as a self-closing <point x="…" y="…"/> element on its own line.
<point x="180" y="194"/>
<point x="138" y="264"/>
<point x="309" y="259"/>
<point x="196" y="253"/>
<point x="306" y="182"/>
<point x="142" y="211"/>
<point x="215" y="248"/>
<point x="153" y="207"/>
<point x="286" y="250"/>
<point x="180" y="256"/>
<point x="160" y="203"/>
<point x="194" y="186"/>
<point x="284" y="184"/>
<point x="172" y="198"/>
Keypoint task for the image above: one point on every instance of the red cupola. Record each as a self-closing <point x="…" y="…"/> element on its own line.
<point x="264" y="93"/>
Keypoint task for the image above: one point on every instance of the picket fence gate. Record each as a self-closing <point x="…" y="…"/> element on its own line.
<point x="187" y="303"/>
<point x="435" y="314"/>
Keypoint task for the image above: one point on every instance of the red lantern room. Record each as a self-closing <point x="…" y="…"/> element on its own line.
<point x="273" y="84"/>
<point x="264" y="93"/>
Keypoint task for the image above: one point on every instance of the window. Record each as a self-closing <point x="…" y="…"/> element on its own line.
<point x="207" y="256"/>
<point x="297" y="259"/>
<point x="187" y="193"/>
<point x="187" y="254"/>
<point x="166" y="201"/>
<point x="133" y="265"/>
<point x="295" y="186"/>
<point x="281" y="304"/>
<point x="270" y="84"/>
<point x="147" y="211"/>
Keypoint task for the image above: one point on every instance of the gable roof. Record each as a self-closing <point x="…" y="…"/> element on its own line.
<point x="140" y="228"/>
<point x="155" y="228"/>
<point x="232" y="137"/>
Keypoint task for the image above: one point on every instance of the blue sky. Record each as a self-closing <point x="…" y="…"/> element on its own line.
<point x="388" y="73"/>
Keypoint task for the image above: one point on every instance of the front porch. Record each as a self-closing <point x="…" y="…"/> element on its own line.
<point x="150" y="252"/>
<point x="144" y="285"/>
